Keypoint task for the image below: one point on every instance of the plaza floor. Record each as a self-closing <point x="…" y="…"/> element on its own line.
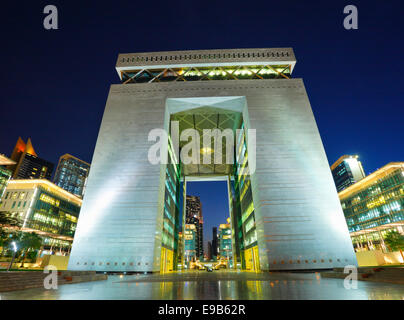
<point x="217" y="285"/>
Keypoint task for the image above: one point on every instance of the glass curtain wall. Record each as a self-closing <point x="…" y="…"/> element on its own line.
<point x="170" y="233"/>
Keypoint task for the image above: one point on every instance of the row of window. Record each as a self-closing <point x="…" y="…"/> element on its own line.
<point x="208" y="56"/>
<point x="15" y="195"/>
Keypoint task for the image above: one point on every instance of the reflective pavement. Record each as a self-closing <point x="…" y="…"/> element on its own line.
<point x="201" y="285"/>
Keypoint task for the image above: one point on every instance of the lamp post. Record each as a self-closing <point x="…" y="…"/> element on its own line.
<point x="14" y="252"/>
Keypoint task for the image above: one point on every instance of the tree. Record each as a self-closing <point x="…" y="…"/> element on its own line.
<point x="394" y="240"/>
<point x="8" y="222"/>
<point x="29" y="242"/>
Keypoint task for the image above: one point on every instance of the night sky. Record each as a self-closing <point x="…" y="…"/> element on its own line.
<point x="54" y="83"/>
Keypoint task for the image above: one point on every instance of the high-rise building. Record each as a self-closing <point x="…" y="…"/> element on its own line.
<point x="214" y="242"/>
<point x="190" y="234"/>
<point x="209" y="255"/>
<point x="225" y="243"/>
<point x="43" y="208"/>
<point x="194" y="216"/>
<point x="286" y="213"/>
<point x="71" y="174"/>
<point x="374" y="206"/>
<point x="5" y="174"/>
<point x="346" y="171"/>
<point x="28" y="164"/>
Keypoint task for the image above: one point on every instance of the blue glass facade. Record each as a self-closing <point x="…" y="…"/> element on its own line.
<point x="71" y="174"/>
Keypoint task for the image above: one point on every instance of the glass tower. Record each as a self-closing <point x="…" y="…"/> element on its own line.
<point x="71" y="174"/>
<point x="346" y="171"/>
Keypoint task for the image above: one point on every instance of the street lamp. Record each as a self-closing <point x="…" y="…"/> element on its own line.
<point x="14" y="252"/>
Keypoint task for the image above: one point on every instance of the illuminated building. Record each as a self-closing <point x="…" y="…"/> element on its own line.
<point x="194" y="216"/>
<point x="28" y="164"/>
<point x="71" y="174"/>
<point x="346" y="171"/>
<point x="374" y="206"/>
<point x="4" y="173"/>
<point x="45" y="209"/>
<point x="190" y="243"/>
<point x="285" y="212"/>
<point x="225" y="242"/>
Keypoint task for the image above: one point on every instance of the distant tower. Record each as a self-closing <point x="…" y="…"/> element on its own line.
<point x="71" y="174"/>
<point x="194" y="216"/>
<point x="209" y="250"/>
<point x="346" y="171"/>
<point x="214" y="242"/>
<point x="28" y="164"/>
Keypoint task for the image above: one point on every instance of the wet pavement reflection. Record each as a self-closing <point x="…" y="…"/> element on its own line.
<point x="220" y="285"/>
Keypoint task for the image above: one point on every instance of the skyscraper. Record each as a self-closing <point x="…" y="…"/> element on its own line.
<point x="71" y="174"/>
<point x="28" y="164"/>
<point x="214" y="242"/>
<point x="224" y="242"/>
<point x="346" y="171"/>
<point x="190" y="243"/>
<point x="194" y="216"/>
<point x="286" y="207"/>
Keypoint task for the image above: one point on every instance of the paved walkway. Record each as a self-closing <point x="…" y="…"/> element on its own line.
<point x="215" y="285"/>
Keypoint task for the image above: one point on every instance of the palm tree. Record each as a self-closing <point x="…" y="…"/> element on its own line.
<point x="29" y="242"/>
<point x="395" y="241"/>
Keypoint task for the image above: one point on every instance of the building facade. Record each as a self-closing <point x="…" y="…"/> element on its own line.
<point x="214" y="242"/>
<point x="224" y="240"/>
<point x="5" y="174"/>
<point x="346" y="171"/>
<point x="374" y="206"/>
<point x="194" y="216"/>
<point x="45" y="209"/>
<point x="287" y="212"/>
<point x="71" y="174"/>
<point x="28" y="164"/>
<point x="190" y="237"/>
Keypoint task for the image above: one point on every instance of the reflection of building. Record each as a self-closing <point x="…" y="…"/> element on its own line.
<point x="286" y="213"/>
<point x="190" y="243"/>
<point x="375" y="205"/>
<point x="71" y="174"/>
<point x="225" y="243"/>
<point x="4" y="173"/>
<point x="194" y="216"/>
<point x="346" y="171"/>
<point x="28" y="164"/>
<point x="44" y="208"/>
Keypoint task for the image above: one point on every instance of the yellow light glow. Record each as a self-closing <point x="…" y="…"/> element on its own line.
<point x="206" y="150"/>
